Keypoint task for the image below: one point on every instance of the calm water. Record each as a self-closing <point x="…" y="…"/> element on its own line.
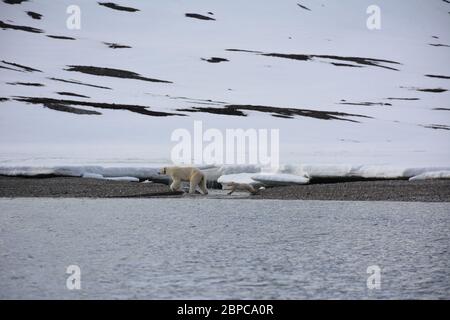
<point x="221" y="249"/>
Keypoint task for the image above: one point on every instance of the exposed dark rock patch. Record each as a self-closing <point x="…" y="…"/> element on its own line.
<point x="14" y="1"/>
<point x="116" y="45"/>
<point x="439" y="45"/>
<point x="191" y="100"/>
<point x="368" y="104"/>
<point x="437" y="76"/>
<point x="215" y="60"/>
<point x="61" y="37"/>
<point x="303" y="7"/>
<point x="3" y="99"/>
<point x="198" y="16"/>
<point x="63" y="93"/>
<point x="115" y="73"/>
<point x="307" y="57"/>
<point x="80" y="83"/>
<point x="345" y="65"/>
<point x="430" y="90"/>
<point x="436" y="90"/>
<point x="358" y="60"/>
<point x="65" y="108"/>
<point x="242" y="50"/>
<point x="223" y="111"/>
<point x="437" y="126"/>
<point x="237" y="110"/>
<point x="112" y="106"/>
<point x="29" y="84"/>
<point x="8" y="68"/>
<point x="34" y="15"/>
<point x="5" y="26"/>
<point x="441" y="109"/>
<point x="114" y="6"/>
<point x="406" y="99"/>
<point x="24" y="68"/>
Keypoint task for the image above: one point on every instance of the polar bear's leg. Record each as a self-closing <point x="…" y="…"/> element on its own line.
<point x="175" y="186"/>
<point x="195" y="180"/>
<point x="202" y="185"/>
<point x="233" y="189"/>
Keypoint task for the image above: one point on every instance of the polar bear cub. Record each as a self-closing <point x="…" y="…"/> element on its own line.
<point x="191" y="174"/>
<point x="244" y="187"/>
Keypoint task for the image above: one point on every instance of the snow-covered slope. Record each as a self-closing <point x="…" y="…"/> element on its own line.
<point x="339" y="92"/>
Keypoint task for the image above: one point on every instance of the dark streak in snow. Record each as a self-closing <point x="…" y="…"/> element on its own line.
<point x="25" y="68"/>
<point x="80" y="83"/>
<point x="34" y="15"/>
<point x="7" y="68"/>
<point x="437" y="126"/>
<point x="114" y="73"/>
<point x="116" y="45"/>
<point x="368" y="104"/>
<point x="345" y="65"/>
<point x="237" y="110"/>
<point x="437" y="76"/>
<point x="439" y="45"/>
<point x="112" y="106"/>
<point x="407" y="99"/>
<point x="437" y="90"/>
<point x="29" y="84"/>
<point x="303" y="7"/>
<point x="14" y="1"/>
<point x="198" y="16"/>
<point x="5" y="26"/>
<point x="114" y="6"/>
<point x="61" y="37"/>
<point x="307" y="57"/>
<point x="63" y="93"/>
<point x="65" y="108"/>
<point x="215" y="60"/>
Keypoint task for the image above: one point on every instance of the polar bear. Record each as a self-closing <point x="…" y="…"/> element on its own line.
<point x="191" y="174"/>
<point x="244" y="187"/>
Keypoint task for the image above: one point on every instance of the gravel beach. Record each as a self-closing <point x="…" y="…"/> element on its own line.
<point x="384" y="190"/>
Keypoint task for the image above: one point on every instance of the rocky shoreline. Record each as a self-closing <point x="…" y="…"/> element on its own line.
<point x="382" y="190"/>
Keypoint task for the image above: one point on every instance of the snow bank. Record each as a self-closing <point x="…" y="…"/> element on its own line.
<point x="280" y="179"/>
<point x="129" y="179"/>
<point x="288" y="174"/>
<point x="82" y="171"/>
<point x="366" y="171"/>
<point x="432" y="175"/>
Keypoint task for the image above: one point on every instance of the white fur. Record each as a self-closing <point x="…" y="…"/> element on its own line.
<point x="191" y="174"/>
<point x="242" y="186"/>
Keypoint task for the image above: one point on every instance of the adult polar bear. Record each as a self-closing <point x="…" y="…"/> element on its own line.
<point x="191" y="174"/>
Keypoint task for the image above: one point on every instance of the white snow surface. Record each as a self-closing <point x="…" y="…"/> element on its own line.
<point x="280" y="179"/>
<point x="432" y="175"/>
<point x="400" y="137"/>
